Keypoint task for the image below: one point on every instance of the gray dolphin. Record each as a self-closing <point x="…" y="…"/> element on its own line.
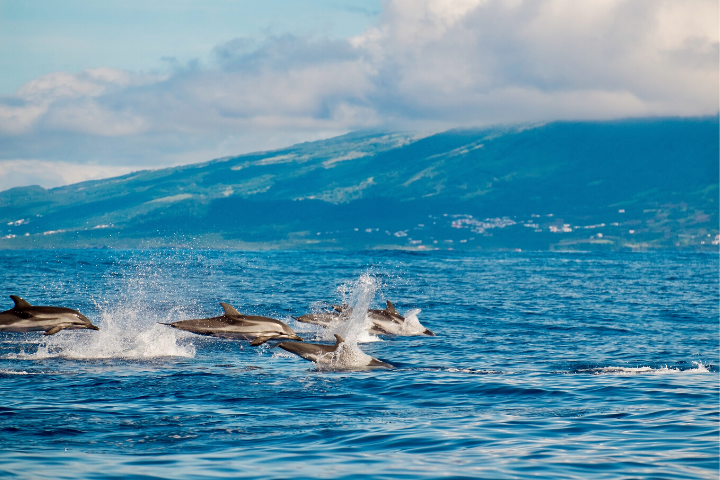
<point x="321" y="354"/>
<point x="236" y="325"/>
<point x="324" y="319"/>
<point x="382" y="322"/>
<point x="28" y="318"/>
<point x="390" y="322"/>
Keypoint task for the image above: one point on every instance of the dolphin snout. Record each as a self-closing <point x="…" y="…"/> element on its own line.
<point x="295" y="337"/>
<point x="428" y="333"/>
<point x="93" y="327"/>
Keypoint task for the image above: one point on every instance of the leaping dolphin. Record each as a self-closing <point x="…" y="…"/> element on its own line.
<point x="24" y="317"/>
<point x="234" y="324"/>
<point x="323" y="354"/>
<point x="390" y="322"/>
<point x="381" y="322"/>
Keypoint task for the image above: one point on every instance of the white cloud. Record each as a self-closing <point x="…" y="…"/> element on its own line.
<point x="50" y="174"/>
<point x="427" y="63"/>
<point x="568" y="52"/>
<point x="68" y="102"/>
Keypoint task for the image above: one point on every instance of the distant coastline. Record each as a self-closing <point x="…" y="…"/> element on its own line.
<point x="632" y="185"/>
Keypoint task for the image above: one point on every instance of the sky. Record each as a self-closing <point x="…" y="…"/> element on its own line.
<point x="95" y="89"/>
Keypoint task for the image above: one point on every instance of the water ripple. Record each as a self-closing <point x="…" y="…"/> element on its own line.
<point x="555" y="365"/>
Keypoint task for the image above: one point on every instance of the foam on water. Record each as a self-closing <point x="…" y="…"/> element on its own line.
<point x="699" y="368"/>
<point x="125" y="333"/>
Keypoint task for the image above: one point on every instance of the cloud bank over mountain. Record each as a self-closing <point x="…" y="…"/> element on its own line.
<point x="426" y="65"/>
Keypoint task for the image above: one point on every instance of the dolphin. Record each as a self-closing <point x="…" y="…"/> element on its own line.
<point x="390" y="322"/>
<point x="380" y="322"/>
<point x="234" y="324"/>
<point x="24" y="317"/>
<point x="323" y="354"/>
<point x="324" y="319"/>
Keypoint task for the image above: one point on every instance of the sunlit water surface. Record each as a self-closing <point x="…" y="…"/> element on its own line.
<point x="554" y="365"/>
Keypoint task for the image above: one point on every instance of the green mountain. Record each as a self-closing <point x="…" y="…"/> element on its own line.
<point x="633" y="184"/>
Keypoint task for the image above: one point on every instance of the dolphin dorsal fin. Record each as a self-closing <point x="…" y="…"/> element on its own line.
<point x="390" y="307"/>
<point x="19" y="302"/>
<point x="229" y="309"/>
<point x="338" y="339"/>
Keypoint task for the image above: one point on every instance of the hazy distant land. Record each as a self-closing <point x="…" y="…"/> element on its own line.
<point x="624" y="185"/>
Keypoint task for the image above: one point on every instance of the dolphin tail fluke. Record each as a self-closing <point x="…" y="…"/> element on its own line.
<point x="19" y="302"/>
<point x="379" y="363"/>
<point x="390" y="307"/>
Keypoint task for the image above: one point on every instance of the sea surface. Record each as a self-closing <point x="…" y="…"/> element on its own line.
<point x="545" y="365"/>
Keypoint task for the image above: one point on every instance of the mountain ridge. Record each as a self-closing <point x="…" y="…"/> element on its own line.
<point x="662" y="172"/>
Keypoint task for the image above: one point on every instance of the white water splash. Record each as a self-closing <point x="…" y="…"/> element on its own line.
<point x="700" y="368"/>
<point x="125" y="333"/>
<point x="361" y="294"/>
<point x="352" y="330"/>
<point x="412" y="325"/>
<point x="366" y="337"/>
<point x="345" y="357"/>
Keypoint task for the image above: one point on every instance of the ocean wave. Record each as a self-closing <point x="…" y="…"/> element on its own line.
<point x="699" y="368"/>
<point x="5" y="371"/>
<point x="470" y="371"/>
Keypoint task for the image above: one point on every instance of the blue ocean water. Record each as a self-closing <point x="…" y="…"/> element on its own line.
<point x="550" y="365"/>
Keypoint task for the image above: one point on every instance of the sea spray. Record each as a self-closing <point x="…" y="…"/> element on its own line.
<point x="360" y="294"/>
<point x="126" y="332"/>
<point x="128" y="322"/>
<point x="411" y="325"/>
